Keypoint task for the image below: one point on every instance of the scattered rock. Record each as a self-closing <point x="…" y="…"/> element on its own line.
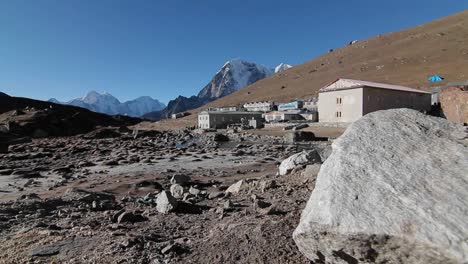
<point x="299" y="159"/>
<point x="215" y="195"/>
<point x="228" y="204"/>
<point x="166" y="203"/>
<point x="180" y="179"/>
<point x="311" y="171"/>
<point x="177" y="191"/>
<point x="220" y="138"/>
<point x="236" y="187"/>
<point x="194" y="191"/>
<point x="265" y="185"/>
<point x="45" y="251"/>
<point x="299" y="136"/>
<point x="129" y="217"/>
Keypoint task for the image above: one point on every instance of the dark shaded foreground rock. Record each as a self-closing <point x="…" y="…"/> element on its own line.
<point x="299" y="136"/>
<point x="394" y="190"/>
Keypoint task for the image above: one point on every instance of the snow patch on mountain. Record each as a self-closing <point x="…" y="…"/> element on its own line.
<point x="234" y="75"/>
<point x="282" y="67"/>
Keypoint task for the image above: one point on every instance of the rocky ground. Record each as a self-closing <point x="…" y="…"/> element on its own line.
<point x="117" y="196"/>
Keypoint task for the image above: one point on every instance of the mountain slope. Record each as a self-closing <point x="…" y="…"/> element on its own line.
<point x="108" y="104"/>
<point x="55" y="119"/>
<point x="178" y="105"/>
<point x="141" y="105"/>
<point x="406" y="57"/>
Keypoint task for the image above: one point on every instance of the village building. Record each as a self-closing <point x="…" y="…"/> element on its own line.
<point x="295" y="105"/>
<point x="225" y="109"/>
<point x="179" y="115"/>
<point x="310" y="116"/>
<point x="347" y="100"/>
<point x="263" y="106"/>
<point x="311" y="104"/>
<point x="277" y="116"/>
<point x="221" y="119"/>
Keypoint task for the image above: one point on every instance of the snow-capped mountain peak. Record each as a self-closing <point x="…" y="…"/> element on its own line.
<point x="235" y="74"/>
<point x="282" y="67"/>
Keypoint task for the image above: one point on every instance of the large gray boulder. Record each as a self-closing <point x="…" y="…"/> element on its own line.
<point x="394" y="190"/>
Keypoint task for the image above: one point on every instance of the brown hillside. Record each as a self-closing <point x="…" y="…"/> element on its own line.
<point x="406" y="57"/>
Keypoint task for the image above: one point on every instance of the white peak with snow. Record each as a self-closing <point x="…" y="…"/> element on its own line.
<point x="108" y="104"/>
<point x="282" y="67"/>
<point x="236" y="74"/>
<point x="242" y="71"/>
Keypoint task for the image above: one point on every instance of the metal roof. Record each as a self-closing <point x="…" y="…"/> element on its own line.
<point x="351" y="84"/>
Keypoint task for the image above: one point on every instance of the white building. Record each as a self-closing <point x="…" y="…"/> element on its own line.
<point x="277" y="116"/>
<point x="295" y="105"/>
<point x="347" y="100"/>
<point x="224" y="109"/>
<point x="264" y="106"/>
<point x="221" y="119"/>
<point x="311" y="104"/>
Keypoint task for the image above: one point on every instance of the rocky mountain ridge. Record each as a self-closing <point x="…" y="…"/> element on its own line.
<point x="108" y="104"/>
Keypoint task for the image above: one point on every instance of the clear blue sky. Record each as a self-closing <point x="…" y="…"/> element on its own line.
<point x="62" y="49"/>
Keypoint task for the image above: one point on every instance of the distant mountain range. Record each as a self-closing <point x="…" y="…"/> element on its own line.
<point x="108" y="104"/>
<point x="234" y="75"/>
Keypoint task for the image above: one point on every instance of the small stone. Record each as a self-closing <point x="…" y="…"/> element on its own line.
<point x="166" y="203"/>
<point x="129" y="217"/>
<point x="194" y="191"/>
<point x="265" y="185"/>
<point x="180" y="179"/>
<point x="236" y="187"/>
<point x="228" y="204"/>
<point x="298" y="160"/>
<point x="215" y="195"/>
<point x="262" y="204"/>
<point x="177" y="191"/>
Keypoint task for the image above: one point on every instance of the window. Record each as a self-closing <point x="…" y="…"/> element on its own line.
<point x="338" y="114"/>
<point x="339" y="100"/>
